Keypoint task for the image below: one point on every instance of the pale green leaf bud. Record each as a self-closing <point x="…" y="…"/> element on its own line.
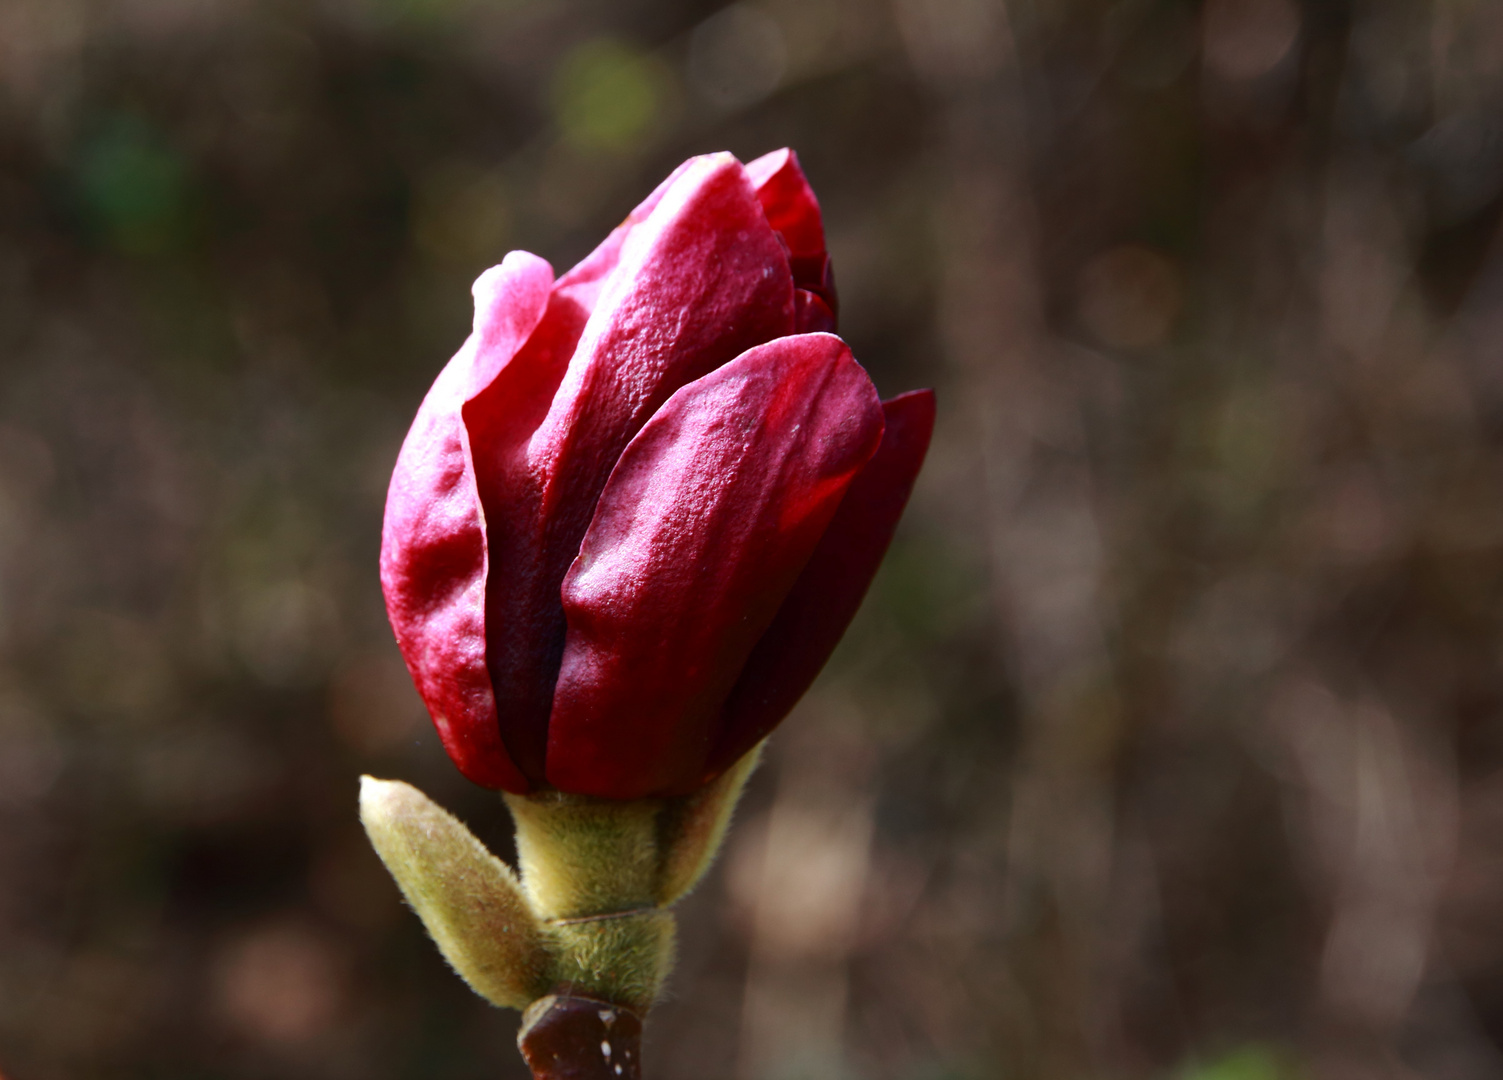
<point x="470" y="901"/>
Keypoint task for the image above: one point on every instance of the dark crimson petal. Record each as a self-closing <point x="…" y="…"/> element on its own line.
<point x="699" y="280"/>
<point x="788" y="201"/>
<point x="705" y="525"/>
<point x="811" y="315"/>
<point x="791" y="209"/>
<point x="817" y="274"/>
<point x="499" y="421"/>
<point x="433" y="552"/>
<point x="823" y="601"/>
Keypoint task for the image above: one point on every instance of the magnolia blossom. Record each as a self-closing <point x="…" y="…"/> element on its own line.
<point x="637" y="510"/>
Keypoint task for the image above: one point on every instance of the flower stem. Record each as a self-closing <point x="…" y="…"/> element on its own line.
<point x="579" y="1038"/>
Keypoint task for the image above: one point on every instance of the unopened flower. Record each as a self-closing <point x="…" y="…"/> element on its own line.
<point x="638" y="509"/>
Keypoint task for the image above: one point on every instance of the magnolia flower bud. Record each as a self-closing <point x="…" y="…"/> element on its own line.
<point x="628" y="526"/>
<point x="637" y="510"/>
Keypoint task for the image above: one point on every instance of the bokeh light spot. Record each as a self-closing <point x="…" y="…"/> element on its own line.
<point x="1245" y="39"/>
<point x="737" y="57"/>
<point x="373" y="706"/>
<point x="1129" y="297"/>
<point x="281" y="983"/>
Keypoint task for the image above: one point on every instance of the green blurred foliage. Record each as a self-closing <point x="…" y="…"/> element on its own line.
<point x="133" y="187"/>
<point x="607" y="95"/>
<point x="1249" y="1063"/>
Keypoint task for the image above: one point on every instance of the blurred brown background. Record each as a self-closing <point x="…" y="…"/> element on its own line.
<point x="1170" y="741"/>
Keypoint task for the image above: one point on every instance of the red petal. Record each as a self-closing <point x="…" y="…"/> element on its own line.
<point x="697" y="281"/>
<point x="433" y="543"/>
<point x="499" y="421"/>
<point x="791" y="209"/>
<point x="788" y="201"/>
<point x="811" y="315"/>
<point x="706" y="523"/>
<point x="823" y="601"/>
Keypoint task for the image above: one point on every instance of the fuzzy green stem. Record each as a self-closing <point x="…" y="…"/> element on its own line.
<point x="582" y="856"/>
<point x="590" y="868"/>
